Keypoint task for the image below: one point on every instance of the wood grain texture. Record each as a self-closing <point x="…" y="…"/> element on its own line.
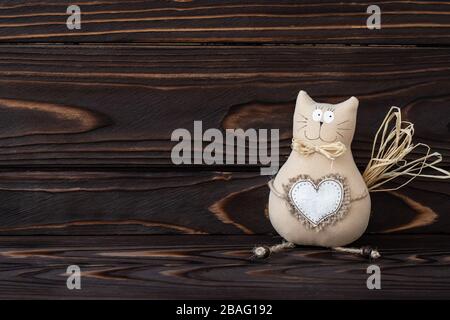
<point x="182" y="202"/>
<point x="194" y="267"/>
<point x="117" y="106"/>
<point x="316" y="21"/>
<point x="85" y="123"/>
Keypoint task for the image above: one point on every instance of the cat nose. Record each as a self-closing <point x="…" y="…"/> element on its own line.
<point x="321" y="123"/>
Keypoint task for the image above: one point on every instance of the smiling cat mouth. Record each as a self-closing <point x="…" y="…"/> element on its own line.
<point x="319" y="138"/>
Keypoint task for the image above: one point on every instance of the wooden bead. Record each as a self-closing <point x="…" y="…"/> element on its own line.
<point x="366" y="251"/>
<point x="261" y="252"/>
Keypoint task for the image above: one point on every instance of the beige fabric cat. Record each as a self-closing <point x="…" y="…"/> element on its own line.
<point x="320" y="125"/>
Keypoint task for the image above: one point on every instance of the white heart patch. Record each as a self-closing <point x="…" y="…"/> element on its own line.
<point x="317" y="202"/>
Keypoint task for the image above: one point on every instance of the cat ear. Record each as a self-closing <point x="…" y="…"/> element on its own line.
<point x="350" y="104"/>
<point x="304" y="99"/>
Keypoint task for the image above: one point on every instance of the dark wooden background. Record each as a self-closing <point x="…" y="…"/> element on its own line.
<point x="85" y="123"/>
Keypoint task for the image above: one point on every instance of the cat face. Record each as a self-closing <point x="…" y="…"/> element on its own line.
<point x="323" y="123"/>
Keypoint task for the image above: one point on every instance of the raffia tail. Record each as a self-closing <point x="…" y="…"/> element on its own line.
<point x="392" y="145"/>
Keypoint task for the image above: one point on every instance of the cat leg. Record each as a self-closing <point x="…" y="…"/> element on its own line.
<point x="262" y="252"/>
<point x="366" y="251"/>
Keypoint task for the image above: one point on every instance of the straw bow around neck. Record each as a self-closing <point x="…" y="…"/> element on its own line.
<point x="330" y="151"/>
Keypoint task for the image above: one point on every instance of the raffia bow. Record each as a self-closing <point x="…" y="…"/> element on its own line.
<point x="330" y="151"/>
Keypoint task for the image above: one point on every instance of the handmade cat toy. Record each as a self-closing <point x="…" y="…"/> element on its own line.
<point x="319" y="197"/>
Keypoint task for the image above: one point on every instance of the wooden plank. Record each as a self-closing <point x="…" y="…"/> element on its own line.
<point x="282" y="21"/>
<point x="117" y="106"/>
<point x="171" y="202"/>
<point x="182" y="267"/>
